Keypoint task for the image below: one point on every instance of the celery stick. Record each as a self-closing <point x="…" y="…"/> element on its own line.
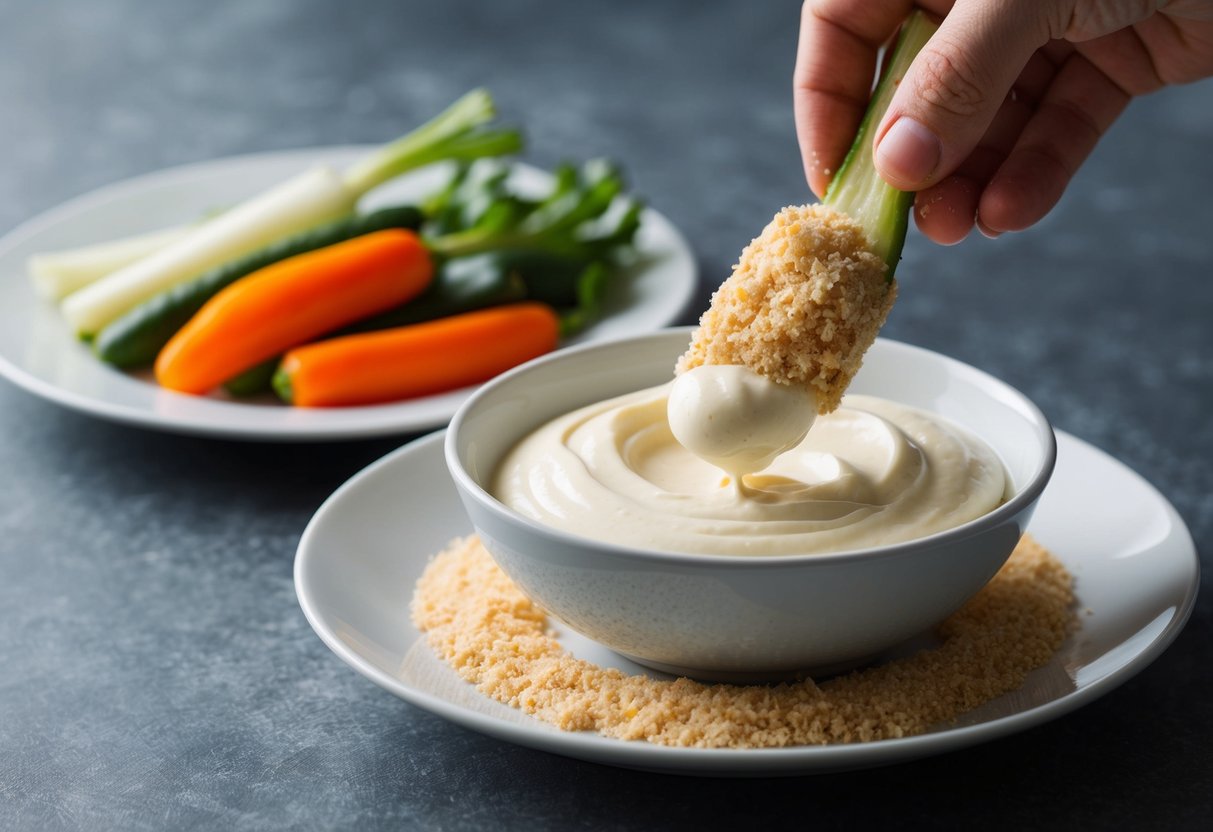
<point x="857" y="189"/>
<point x="315" y="196"/>
<point x="56" y="274"/>
<point x="474" y="108"/>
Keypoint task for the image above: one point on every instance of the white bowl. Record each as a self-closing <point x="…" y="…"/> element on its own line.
<point x="745" y="618"/>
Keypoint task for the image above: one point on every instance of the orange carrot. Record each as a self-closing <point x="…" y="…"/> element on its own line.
<point x="292" y="302"/>
<point x="416" y="360"/>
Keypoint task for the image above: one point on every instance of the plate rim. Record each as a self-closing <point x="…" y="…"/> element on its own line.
<point x="796" y="760"/>
<point x="379" y="419"/>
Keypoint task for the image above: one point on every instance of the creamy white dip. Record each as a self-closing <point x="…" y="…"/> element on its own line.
<point x="872" y="472"/>
<point x="737" y="420"/>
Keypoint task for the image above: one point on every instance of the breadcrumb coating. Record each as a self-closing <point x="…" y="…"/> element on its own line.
<point x="494" y="637"/>
<point x="802" y="306"/>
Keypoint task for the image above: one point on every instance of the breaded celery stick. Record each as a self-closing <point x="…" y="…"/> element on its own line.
<point x="809" y="294"/>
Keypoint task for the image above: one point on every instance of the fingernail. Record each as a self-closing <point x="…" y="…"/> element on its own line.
<point x="986" y="230"/>
<point x="909" y="152"/>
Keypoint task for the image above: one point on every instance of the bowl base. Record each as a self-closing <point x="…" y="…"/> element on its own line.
<point x="754" y="677"/>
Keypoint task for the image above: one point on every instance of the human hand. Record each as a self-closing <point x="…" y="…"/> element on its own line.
<point x="1003" y="104"/>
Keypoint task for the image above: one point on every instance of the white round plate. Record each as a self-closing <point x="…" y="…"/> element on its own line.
<point x="1133" y="560"/>
<point x="39" y="353"/>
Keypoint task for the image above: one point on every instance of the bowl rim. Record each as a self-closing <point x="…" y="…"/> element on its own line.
<point x="1022" y="499"/>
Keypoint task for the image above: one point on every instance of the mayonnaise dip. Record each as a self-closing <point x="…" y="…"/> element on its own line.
<point x="871" y="473"/>
<point x="737" y="420"/>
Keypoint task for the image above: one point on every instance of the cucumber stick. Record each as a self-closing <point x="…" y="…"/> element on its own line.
<point x="315" y="196"/>
<point x="857" y="189"/>
<point x="253" y="381"/>
<point x="135" y="338"/>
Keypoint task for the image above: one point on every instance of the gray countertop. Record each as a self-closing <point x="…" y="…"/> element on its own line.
<point x="157" y="672"/>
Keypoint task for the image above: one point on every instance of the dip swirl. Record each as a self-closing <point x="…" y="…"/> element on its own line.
<point x="871" y="473"/>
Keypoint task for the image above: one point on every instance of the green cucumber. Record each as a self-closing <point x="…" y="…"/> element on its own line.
<point x="252" y="381"/>
<point x="135" y="339"/>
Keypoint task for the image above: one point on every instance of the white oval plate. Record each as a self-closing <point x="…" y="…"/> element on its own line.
<point x="39" y="353"/>
<point x="1133" y="559"/>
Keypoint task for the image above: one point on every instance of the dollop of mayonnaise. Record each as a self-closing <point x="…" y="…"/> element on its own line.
<point x="873" y="472"/>
<point x="737" y="420"/>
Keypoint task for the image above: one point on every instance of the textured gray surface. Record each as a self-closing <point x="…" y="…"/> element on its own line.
<point x="156" y="671"/>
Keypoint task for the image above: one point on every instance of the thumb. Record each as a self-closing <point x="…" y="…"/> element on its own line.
<point x="954" y="88"/>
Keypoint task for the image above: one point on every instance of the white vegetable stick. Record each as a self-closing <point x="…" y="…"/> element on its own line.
<point x="56" y="274"/>
<point x="313" y="197"/>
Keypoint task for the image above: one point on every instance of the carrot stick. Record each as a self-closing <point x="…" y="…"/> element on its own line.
<point x="292" y="302"/>
<point x="416" y="360"/>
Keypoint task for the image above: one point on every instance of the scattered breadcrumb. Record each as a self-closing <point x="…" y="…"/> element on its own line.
<point x="497" y="639"/>
<point x="802" y="306"/>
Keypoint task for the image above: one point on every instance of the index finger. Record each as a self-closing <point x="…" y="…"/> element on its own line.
<point x="835" y="67"/>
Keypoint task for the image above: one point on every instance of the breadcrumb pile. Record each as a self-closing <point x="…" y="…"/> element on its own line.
<point x="498" y="640"/>
<point x="802" y="306"/>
